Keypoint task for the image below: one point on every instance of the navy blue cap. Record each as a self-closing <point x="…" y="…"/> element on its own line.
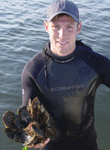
<point x="62" y="6"/>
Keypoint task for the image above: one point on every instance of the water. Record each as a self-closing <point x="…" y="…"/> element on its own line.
<point x="22" y="35"/>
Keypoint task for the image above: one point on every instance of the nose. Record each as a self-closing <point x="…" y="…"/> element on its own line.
<point x="62" y="32"/>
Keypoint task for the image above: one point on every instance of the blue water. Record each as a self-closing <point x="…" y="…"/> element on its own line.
<point x="22" y="35"/>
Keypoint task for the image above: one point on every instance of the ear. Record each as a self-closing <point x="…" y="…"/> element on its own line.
<point x="46" y="24"/>
<point x="79" y="27"/>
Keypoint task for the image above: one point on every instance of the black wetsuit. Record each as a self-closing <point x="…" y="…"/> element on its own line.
<point x="66" y="86"/>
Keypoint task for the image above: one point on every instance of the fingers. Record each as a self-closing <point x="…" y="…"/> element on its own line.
<point x="40" y="145"/>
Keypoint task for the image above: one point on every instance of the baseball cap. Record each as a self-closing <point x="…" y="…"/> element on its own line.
<point x="62" y="6"/>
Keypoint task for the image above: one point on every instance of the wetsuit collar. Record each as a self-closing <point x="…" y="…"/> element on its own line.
<point x="60" y="59"/>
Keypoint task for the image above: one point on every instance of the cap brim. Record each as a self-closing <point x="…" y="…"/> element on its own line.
<point x="63" y="12"/>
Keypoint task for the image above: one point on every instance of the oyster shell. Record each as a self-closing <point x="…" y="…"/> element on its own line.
<point x="29" y="126"/>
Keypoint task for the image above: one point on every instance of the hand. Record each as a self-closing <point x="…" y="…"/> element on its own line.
<point x="40" y="145"/>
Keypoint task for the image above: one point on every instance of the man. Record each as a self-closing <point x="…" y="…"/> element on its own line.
<point x="65" y="76"/>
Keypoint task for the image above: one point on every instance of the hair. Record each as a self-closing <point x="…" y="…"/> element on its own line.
<point x="62" y="15"/>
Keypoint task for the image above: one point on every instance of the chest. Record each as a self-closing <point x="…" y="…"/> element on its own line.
<point x="70" y="79"/>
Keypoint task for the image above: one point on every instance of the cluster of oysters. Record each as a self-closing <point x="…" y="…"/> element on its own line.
<point x="29" y="126"/>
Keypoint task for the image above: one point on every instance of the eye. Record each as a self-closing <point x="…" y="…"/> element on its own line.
<point x="55" y="26"/>
<point x="69" y="27"/>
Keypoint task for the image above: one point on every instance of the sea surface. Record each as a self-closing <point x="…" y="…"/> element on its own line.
<point x="22" y="35"/>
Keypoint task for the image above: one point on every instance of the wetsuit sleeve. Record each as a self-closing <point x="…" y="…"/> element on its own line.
<point x="106" y="75"/>
<point x="29" y="87"/>
<point x="98" y="62"/>
<point x="101" y="64"/>
<point x="28" y="79"/>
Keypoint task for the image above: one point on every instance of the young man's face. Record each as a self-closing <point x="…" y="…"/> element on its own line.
<point x="62" y="32"/>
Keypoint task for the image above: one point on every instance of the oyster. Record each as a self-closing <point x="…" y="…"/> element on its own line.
<point x="24" y="115"/>
<point x="33" y="134"/>
<point x="37" y="111"/>
<point x="8" y="119"/>
<point x="9" y="132"/>
<point x="29" y="126"/>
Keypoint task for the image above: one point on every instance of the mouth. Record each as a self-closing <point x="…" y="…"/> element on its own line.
<point x="62" y="43"/>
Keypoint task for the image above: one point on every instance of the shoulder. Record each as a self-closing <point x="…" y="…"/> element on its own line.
<point x="83" y="46"/>
<point x="35" y="64"/>
<point x="86" y="52"/>
<point x="38" y="58"/>
<point x="97" y="61"/>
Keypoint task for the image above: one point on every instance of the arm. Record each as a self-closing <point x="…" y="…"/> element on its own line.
<point x="29" y="87"/>
<point x="30" y="90"/>
<point x="98" y="62"/>
<point x="106" y="75"/>
<point x="30" y="72"/>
